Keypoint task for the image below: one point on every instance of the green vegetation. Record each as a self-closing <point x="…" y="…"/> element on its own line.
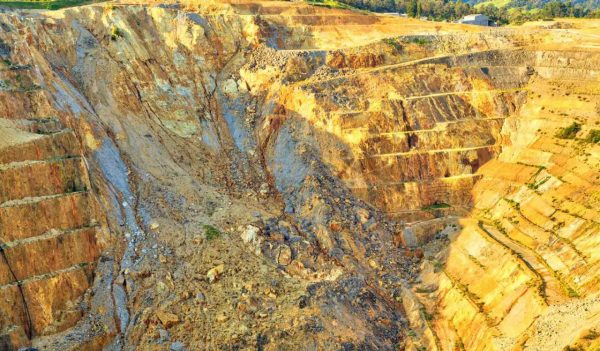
<point x="594" y="136"/>
<point x="422" y="41"/>
<point x="513" y="204"/>
<point x="569" y="132"/>
<point x="535" y="186"/>
<point x="498" y="224"/>
<point x="499" y="11"/>
<point x="474" y="299"/>
<point x="592" y="335"/>
<point x="519" y="11"/>
<point x="393" y="43"/>
<point x="44" y="4"/>
<point x="332" y="4"/>
<point x="497" y="3"/>
<point x="435" y="206"/>
<point x="426" y="315"/>
<point x="211" y="232"/>
<point x="115" y="33"/>
<point x="476" y="261"/>
<point x="437" y="266"/>
<point x="434" y="9"/>
<point x="571" y="292"/>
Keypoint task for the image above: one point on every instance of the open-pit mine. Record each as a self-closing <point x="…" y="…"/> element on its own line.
<point x="265" y="175"/>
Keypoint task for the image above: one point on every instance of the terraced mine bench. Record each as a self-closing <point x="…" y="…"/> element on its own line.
<point x="47" y="228"/>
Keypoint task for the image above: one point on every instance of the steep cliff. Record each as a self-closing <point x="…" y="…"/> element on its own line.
<point x="272" y="175"/>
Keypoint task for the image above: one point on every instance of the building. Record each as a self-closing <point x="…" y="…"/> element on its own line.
<point x="477" y="19"/>
<point x="395" y="14"/>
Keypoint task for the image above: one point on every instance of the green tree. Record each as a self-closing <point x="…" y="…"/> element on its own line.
<point x="411" y="8"/>
<point x="500" y="16"/>
<point x="555" y="9"/>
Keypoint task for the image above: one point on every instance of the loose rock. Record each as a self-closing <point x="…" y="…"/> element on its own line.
<point x="167" y="319"/>
<point x="214" y="273"/>
<point x="284" y="255"/>
<point x="177" y="346"/>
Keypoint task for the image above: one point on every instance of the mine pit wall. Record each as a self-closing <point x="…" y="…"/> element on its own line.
<point x="413" y="137"/>
<point x="420" y="233"/>
<point x="51" y="230"/>
<point x="121" y="129"/>
<point x="118" y="126"/>
<point x="480" y="305"/>
<point x="48" y="226"/>
<point x="532" y="241"/>
<point x="386" y="135"/>
<point x="432" y="140"/>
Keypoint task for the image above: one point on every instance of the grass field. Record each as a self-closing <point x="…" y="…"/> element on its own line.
<point x="497" y="3"/>
<point x="44" y="4"/>
<point x="333" y="4"/>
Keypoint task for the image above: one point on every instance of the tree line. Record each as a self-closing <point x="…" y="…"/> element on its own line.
<point x="516" y="12"/>
<point x="433" y="9"/>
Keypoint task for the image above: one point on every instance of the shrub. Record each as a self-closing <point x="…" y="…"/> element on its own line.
<point x="394" y="44"/>
<point x="569" y="132"/>
<point x="594" y="136"/>
<point x="571" y="292"/>
<point x="331" y="4"/>
<point x="592" y="335"/>
<point x="115" y="33"/>
<point x="535" y="186"/>
<point x="513" y="204"/>
<point x="438" y="266"/>
<point x="211" y="232"/>
<point x="426" y="315"/>
<point x="436" y="206"/>
<point x="421" y="41"/>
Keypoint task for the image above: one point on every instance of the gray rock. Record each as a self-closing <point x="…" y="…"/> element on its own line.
<point x="177" y="346"/>
<point x="164" y="335"/>
<point x="200" y="297"/>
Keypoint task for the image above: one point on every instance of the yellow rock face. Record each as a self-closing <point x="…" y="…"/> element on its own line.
<point x="48" y="225"/>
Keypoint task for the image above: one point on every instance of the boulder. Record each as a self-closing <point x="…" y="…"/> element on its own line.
<point x="215" y="272"/>
<point x="284" y="255"/>
<point x="167" y="319"/>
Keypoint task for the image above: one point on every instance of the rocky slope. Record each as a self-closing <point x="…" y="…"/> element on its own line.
<point x="270" y="175"/>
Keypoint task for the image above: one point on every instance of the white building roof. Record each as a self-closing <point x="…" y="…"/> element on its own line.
<point x="473" y="17"/>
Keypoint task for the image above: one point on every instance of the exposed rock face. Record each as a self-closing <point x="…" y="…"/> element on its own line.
<point x="527" y="248"/>
<point x="48" y="225"/>
<point x="271" y="175"/>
